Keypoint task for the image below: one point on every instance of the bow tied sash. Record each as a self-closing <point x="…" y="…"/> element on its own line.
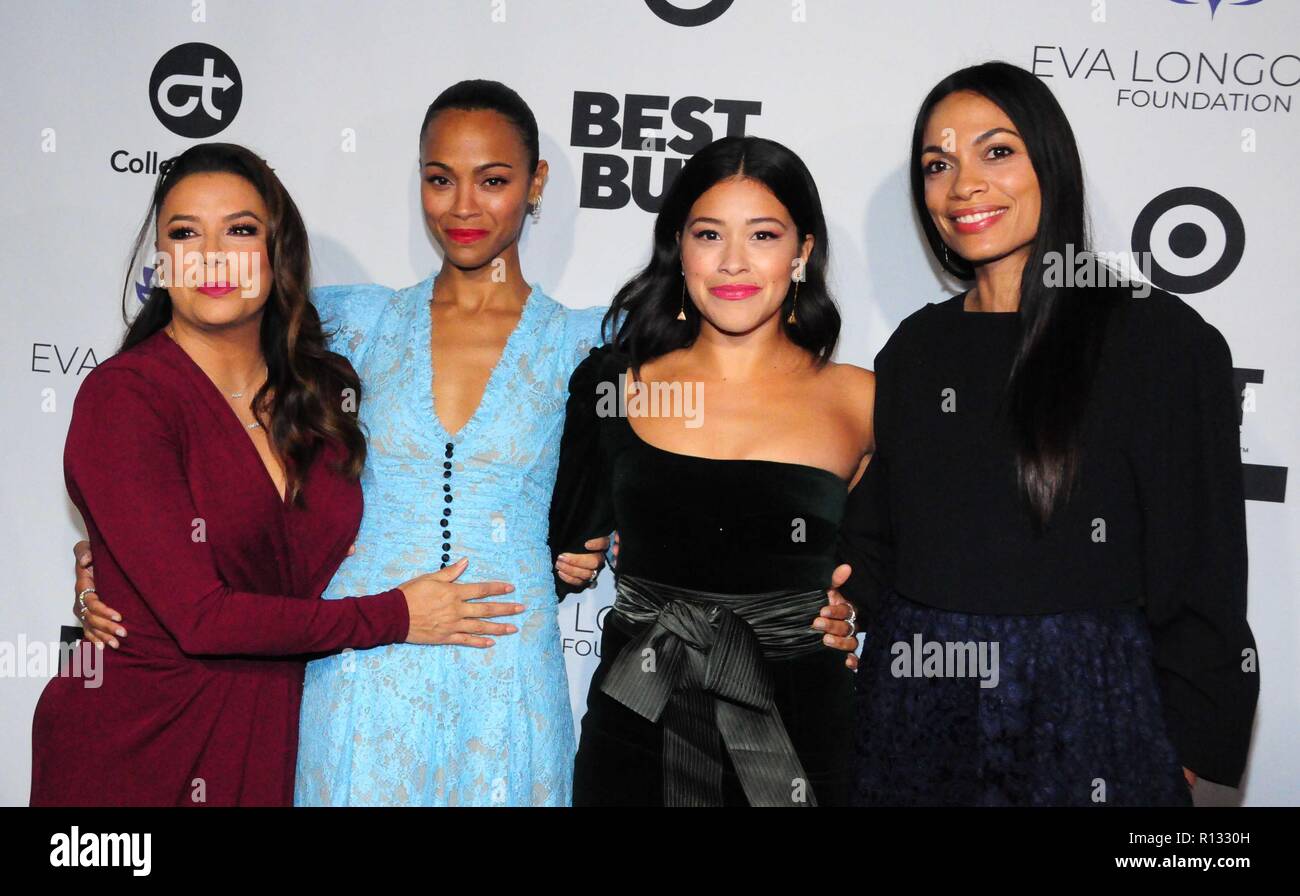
<point x="698" y="665"/>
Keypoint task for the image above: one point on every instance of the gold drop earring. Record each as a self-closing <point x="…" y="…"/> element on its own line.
<point x="791" y="319"/>
<point x="681" y="313"/>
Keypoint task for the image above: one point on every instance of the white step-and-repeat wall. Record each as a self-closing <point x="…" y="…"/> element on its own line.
<point x="1186" y="112"/>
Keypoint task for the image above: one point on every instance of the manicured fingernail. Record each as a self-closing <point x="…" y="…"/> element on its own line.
<point x="564" y="557"/>
<point x="121" y="633"/>
<point x="511" y="629"/>
<point x="114" y="643"/>
<point x="117" y="617"/>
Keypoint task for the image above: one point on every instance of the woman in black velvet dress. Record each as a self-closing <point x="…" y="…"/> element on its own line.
<point x="724" y="674"/>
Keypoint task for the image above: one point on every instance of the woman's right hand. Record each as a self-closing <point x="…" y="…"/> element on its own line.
<point x="443" y="612"/>
<point x="101" y="623"/>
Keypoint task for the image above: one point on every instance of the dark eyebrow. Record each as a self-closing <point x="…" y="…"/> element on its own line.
<point x="703" y="220"/>
<point x="980" y="139"/>
<point x="477" y="168"/>
<point x="242" y="214"/>
<point x="991" y="131"/>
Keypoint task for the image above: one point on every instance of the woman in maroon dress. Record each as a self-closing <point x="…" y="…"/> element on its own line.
<point x="215" y="461"/>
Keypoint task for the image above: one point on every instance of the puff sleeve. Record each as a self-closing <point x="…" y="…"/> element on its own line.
<point x="581" y="502"/>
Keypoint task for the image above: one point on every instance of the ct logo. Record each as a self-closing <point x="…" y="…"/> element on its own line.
<point x="673" y="14"/>
<point x="195" y="90"/>
<point x="1194" y="238"/>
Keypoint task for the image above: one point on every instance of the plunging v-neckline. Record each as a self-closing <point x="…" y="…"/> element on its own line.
<point x="493" y="375"/>
<point x="268" y="476"/>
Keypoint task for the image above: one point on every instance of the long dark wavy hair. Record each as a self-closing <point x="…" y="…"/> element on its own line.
<point x="304" y="401"/>
<point x="642" y="319"/>
<point x="1061" y="328"/>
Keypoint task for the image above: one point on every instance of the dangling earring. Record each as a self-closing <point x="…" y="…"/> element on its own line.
<point x="946" y="261"/>
<point x="681" y="313"/>
<point x="791" y="319"/>
<point x="537" y="209"/>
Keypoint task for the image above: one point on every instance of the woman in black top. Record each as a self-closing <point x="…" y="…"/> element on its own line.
<point x="1051" y="535"/>
<point x="721" y="679"/>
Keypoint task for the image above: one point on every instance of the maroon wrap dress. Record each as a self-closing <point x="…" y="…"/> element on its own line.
<point x="218" y="581"/>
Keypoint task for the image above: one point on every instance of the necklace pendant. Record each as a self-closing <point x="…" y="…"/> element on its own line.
<point x="253" y="425"/>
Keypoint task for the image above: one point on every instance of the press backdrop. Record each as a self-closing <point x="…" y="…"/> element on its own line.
<point x="1186" y="112"/>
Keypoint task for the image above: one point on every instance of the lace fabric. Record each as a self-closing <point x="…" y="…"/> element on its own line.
<point x="449" y="725"/>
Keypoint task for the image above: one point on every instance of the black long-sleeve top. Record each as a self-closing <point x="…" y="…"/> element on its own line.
<point x="1156" y="518"/>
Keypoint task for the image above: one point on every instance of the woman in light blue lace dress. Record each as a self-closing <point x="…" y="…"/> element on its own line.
<point x="454" y="725"/>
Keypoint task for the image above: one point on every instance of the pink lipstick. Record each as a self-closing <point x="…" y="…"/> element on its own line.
<point x="977" y="219"/>
<point x="734" y="292"/>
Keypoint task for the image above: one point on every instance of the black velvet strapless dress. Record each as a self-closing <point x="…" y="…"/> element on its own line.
<point x="730" y="558"/>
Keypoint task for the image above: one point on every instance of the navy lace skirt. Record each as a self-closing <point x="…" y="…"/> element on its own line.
<point x="1073" y="717"/>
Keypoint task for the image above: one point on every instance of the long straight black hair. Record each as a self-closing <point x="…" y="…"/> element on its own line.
<point x="1060" y="327"/>
<point x="311" y="393"/>
<point x="642" y="319"/>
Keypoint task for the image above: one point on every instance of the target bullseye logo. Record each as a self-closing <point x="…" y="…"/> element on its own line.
<point x="1193" y="237"/>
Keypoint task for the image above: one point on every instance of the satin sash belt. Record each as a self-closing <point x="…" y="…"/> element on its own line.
<point x="698" y="663"/>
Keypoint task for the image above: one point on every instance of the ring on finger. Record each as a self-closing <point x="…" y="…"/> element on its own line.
<point x="82" y="609"/>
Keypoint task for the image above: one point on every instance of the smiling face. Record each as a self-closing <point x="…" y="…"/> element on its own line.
<point x="213" y="229"/>
<point x="980" y="187"/>
<point x="739" y="251"/>
<point x="476" y="186"/>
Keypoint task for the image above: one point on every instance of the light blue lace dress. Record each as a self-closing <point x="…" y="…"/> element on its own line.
<point x="448" y="725"/>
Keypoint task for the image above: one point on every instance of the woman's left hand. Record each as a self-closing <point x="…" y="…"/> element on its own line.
<point x="834" y="617"/>
<point x="582" y="569"/>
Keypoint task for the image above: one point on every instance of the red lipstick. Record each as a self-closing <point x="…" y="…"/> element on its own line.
<point x="465" y="235"/>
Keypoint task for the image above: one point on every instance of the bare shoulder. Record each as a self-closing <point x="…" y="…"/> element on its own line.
<point x="673" y="365"/>
<point x="851" y="390"/>
<point x="856" y="384"/>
